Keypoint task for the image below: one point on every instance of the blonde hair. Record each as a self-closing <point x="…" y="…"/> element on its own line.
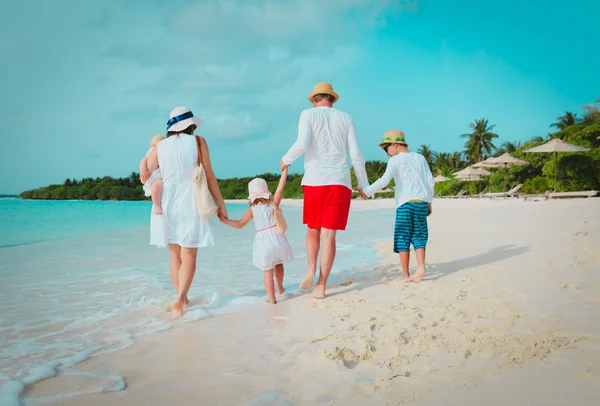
<point x="261" y="200"/>
<point x="156" y="139"/>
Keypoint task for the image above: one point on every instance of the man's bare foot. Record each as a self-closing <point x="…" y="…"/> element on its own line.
<point x="307" y="282"/>
<point x="418" y="275"/>
<point x="157" y="210"/>
<point x="280" y="289"/>
<point x="271" y="301"/>
<point x="177" y="310"/>
<point x="319" y="292"/>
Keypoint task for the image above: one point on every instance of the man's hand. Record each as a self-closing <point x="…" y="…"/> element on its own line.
<point x="362" y="194"/>
<point x="144" y="175"/>
<point x="282" y="165"/>
<point x="430" y="210"/>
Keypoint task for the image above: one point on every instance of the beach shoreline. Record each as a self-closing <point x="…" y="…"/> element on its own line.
<point x="511" y="290"/>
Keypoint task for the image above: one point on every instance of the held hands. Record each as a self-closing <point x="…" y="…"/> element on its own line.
<point x="362" y="194"/>
<point x="283" y="166"/>
<point x="222" y="215"/>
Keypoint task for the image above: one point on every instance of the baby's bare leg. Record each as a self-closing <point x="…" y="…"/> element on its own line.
<point x="279" y="277"/>
<point x="156" y="189"/>
<point x="270" y="286"/>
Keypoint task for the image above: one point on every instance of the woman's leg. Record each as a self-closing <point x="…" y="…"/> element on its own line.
<point x="279" y="277"/>
<point x="186" y="276"/>
<point x="175" y="262"/>
<point x="270" y="286"/>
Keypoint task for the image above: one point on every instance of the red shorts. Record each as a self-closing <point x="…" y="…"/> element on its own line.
<point x="326" y="206"/>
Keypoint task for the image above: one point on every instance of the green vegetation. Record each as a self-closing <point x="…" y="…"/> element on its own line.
<point x="576" y="171"/>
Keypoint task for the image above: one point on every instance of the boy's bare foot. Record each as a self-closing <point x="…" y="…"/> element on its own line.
<point x="280" y="289"/>
<point x="307" y="282"/>
<point x="418" y="275"/>
<point x="405" y="275"/>
<point x="157" y="210"/>
<point x="319" y="292"/>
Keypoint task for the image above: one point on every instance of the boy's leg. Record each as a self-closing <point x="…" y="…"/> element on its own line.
<point x="156" y="189"/>
<point x="279" y="277"/>
<point x="402" y="231"/>
<point x="419" y="239"/>
<point x="270" y="286"/>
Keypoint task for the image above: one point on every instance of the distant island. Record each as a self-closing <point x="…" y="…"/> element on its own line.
<point x="579" y="171"/>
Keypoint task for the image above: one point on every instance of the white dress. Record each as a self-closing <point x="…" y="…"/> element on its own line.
<point x="270" y="248"/>
<point x="153" y="176"/>
<point x="180" y="223"/>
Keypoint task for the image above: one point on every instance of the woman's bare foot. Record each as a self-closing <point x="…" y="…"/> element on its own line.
<point x="177" y="310"/>
<point x="418" y="275"/>
<point x="280" y="289"/>
<point x="319" y="292"/>
<point x="307" y="282"/>
<point x="157" y="210"/>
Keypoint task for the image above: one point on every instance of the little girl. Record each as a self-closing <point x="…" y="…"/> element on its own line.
<point x="270" y="249"/>
<point x="153" y="185"/>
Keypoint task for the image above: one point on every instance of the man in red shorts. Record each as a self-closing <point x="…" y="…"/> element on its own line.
<point x="325" y="136"/>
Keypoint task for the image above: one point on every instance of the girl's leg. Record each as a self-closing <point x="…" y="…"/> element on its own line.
<point x="186" y="276"/>
<point x="156" y="189"/>
<point x="270" y="286"/>
<point x="279" y="277"/>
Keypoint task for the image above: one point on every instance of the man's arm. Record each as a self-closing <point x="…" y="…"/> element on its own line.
<point x="383" y="181"/>
<point x="301" y="144"/>
<point x="357" y="159"/>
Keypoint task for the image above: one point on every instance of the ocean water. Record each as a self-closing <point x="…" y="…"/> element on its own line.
<point x="79" y="279"/>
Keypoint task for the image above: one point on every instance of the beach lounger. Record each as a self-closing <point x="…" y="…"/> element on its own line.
<point x="571" y="195"/>
<point x="514" y="192"/>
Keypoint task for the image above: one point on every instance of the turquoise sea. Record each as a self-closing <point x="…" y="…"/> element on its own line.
<point x="79" y="279"/>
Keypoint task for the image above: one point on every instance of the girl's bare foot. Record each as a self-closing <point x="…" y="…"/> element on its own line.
<point x="418" y="275"/>
<point x="157" y="210"/>
<point x="318" y="292"/>
<point x="307" y="282"/>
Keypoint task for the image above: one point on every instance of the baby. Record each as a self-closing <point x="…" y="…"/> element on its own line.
<point x="152" y="184"/>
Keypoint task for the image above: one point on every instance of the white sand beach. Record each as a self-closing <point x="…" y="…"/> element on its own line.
<point x="508" y="314"/>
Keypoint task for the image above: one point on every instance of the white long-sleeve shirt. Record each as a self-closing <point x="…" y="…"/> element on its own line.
<point x="412" y="177"/>
<point x="325" y="135"/>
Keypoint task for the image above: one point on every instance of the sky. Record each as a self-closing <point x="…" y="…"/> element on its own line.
<point x="84" y="85"/>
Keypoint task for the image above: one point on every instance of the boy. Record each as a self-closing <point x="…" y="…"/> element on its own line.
<point x="414" y="193"/>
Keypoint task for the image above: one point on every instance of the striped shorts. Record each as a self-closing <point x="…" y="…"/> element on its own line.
<point x="411" y="226"/>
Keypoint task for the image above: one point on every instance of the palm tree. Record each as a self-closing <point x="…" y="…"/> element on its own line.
<point x="511" y="146"/>
<point x="566" y="120"/>
<point x="427" y="153"/>
<point x="479" y="143"/>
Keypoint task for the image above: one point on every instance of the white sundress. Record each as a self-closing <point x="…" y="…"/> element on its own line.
<point x="180" y="223"/>
<point x="153" y="176"/>
<point x="269" y="248"/>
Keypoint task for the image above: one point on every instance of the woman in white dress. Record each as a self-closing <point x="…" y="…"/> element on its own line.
<point x="180" y="227"/>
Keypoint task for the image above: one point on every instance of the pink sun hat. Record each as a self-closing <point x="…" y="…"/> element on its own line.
<point x="258" y="189"/>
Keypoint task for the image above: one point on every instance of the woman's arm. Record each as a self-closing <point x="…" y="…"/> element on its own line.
<point x="211" y="179"/>
<point x="281" y="187"/>
<point x="241" y="222"/>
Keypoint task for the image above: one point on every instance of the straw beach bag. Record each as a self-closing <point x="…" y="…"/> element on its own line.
<point x="205" y="202"/>
<point x="279" y="220"/>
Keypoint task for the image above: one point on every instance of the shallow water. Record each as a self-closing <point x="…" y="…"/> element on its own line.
<point x="80" y="279"/>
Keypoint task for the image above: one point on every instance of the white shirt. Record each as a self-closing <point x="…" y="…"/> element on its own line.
<point x="412" y="177"/>
<point x="325" y="135"/>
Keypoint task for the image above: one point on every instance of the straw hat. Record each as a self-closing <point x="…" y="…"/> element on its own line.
<point x="181" y="118"/>
<point x="393" y="137"/>
<point x="323" y="88"/>
<point x="258" y="189"/>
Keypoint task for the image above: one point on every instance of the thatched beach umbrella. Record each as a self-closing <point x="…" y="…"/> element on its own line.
<point x="557" y="145"/>
<point x="440" y="178"/>
<point x="503" y="161"/>
<point x="470" y="172"/>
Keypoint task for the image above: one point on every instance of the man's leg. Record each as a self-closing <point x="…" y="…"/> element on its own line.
<point x="328" y="250"/>
<point x="313" y="240"/>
